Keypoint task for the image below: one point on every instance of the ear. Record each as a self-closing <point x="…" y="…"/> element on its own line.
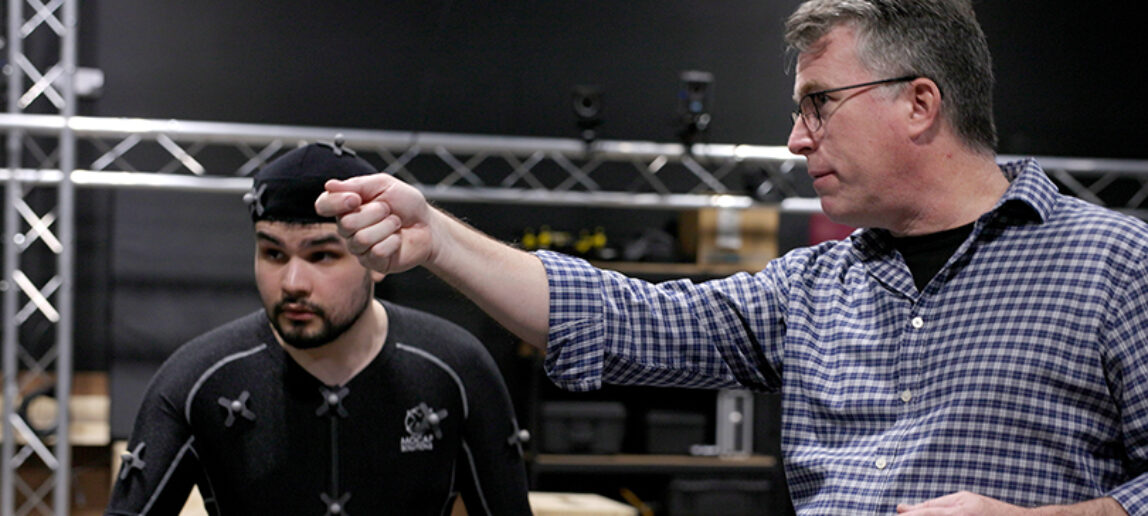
<point x="925" y="107"/>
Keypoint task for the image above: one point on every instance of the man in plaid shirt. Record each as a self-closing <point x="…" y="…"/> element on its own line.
<point x="977" y="348"/>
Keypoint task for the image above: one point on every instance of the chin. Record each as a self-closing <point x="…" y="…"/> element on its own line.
<point x="302" y="336"/>
<point x="305" y="342"/>
<point x="833" y="211"/>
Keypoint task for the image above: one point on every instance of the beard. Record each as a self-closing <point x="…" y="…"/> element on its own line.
<point x="330" y="326"/>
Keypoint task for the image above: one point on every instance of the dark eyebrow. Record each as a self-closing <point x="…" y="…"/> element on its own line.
<point x="323" y="240"/>
<point x="331" y="239"/>
<point x="260" y="235"/>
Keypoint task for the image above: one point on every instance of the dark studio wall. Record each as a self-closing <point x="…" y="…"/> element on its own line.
<point x="471" y="67"/>
<point x="160" y="267"/>
<point x="1065" y="69"/>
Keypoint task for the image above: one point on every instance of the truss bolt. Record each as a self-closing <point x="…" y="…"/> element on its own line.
<point x="18" y="239"/>
<point x="3" y="285"/>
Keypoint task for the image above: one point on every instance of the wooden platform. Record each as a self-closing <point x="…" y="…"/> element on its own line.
<point x="577" y="504"/>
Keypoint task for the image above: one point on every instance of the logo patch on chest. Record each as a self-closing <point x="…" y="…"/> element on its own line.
<point x="423" y="425"/>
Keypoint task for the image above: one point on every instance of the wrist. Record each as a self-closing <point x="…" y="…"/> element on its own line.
<point x="438" y="230"/>
<point x="453" y="245"/>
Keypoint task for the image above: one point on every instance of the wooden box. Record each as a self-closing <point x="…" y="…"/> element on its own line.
<point x="743" y="238"/>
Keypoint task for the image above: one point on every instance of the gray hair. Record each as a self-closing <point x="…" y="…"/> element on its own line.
<point x="938" y="39"/>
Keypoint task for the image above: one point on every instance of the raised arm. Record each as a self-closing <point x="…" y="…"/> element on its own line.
<point x="391" y="227"/>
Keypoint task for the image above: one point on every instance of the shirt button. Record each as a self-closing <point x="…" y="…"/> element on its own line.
<point x="917" y="322"/>
<point x="906" y="395"/>
<point x="881" y="463"/>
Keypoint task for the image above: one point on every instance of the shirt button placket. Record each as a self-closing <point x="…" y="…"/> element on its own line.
<point x="905" y="395"/>
<point x="917" y="323"/>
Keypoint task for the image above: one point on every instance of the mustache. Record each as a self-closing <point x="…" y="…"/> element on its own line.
<point x="296" y="304"/>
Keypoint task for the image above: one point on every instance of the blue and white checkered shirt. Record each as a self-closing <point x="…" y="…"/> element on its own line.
<point x="1020" y="372"/>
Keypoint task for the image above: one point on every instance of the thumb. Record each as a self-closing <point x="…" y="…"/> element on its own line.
<point x="337" y="204"/>
<point x="343" y="196"/>
<point x="366" y="187"/>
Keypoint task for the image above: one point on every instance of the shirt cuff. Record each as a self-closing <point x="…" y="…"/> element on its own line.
<point x="574" y="350"/>
<point x="1133" y="495"/>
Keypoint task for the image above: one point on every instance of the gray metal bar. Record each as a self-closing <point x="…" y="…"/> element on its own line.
<point x="233" y="133"/>
<point x="65" y="269"/>
<point x="11" y="256"/>
<point x="239" y="185"/>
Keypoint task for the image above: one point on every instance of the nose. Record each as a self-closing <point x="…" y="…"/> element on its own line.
<point x="295" y="279"/>
<point x="800" y="141"/>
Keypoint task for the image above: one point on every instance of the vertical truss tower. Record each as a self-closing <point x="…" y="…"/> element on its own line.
<point x="40" y="43"/>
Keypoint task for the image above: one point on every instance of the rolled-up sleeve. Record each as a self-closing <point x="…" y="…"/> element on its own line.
<point x="577" y="331"/>
<point x="1127" y="365"/>
<point x="608" y="328"/>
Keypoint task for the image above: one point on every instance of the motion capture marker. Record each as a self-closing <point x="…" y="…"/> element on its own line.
<point x="336" y="507"/>
<point x="337" y="146"/>
<point x="518" y="437"/>
<point x="236" y="406"/>
<point x="434" y="420"/>
<point x="254" y="200"/>
<point x="332" y="398"/>
<point x="132" y="461"/>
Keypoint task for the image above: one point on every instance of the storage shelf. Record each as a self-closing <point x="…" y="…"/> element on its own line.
<point x="674" y="269"/>
<point x="649" y="463"/>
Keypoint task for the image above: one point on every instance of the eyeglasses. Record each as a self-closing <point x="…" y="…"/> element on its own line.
<point x="809" y="109"/>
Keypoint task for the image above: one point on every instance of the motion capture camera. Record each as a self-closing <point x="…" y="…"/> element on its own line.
<point x="694" y="99"/>
<point x="587" y="104"/>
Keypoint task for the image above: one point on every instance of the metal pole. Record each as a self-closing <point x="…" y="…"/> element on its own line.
<point x="65" y="269"/>
<point x="11" y="255"/>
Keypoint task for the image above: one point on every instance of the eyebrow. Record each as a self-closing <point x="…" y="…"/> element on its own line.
<point x="808" y="88"/>
<point x="329" y="239"/>
<point x="323" y="240"/>
<point x="259" y="235"/>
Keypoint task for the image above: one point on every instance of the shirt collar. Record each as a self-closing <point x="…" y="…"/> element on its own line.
<point x="1031" y="196"/>
<point x="1029" y="187"/>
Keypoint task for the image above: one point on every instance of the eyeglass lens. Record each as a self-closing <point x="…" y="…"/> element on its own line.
<point x="807" y="112"/>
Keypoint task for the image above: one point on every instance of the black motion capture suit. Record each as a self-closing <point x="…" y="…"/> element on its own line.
<point x="430" y="417"/>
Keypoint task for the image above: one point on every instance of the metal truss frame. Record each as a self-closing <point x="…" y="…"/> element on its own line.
<point x="38" y="259"/>
<point x="41" y="175"/>
<point x="220" y="157"/>
<point x="217" y="156"/>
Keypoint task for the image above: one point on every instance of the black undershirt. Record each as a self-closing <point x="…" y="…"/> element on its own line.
<point x="926" y="254"/>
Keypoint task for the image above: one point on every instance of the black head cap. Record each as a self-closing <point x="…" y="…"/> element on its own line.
<point x="286" y="189"/>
